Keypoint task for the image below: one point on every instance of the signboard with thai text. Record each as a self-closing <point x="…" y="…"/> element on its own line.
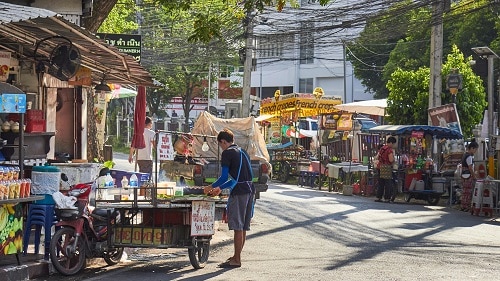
<point x="445" y="116"/>
<point x="129" y="44"/>
<point x="202" y="218"/>
<point x="13" y="103"/>
<point x="165" y="147"/>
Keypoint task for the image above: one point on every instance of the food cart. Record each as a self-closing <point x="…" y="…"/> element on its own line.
<point x="290" y="124"/>
<point x="164" y="217"/>
<point x="419" y="155"/>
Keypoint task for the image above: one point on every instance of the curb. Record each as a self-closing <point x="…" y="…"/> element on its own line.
<point x="28" y="269"/>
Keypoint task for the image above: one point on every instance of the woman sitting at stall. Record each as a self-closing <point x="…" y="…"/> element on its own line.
<point x="468" y="175"/>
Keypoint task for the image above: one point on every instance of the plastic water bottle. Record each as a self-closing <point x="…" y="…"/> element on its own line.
<point x="124" y="182"/>
<point x="109" y="183"/>
<point x="134" y="181"/>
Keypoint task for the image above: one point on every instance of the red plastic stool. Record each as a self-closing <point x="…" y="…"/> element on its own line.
<point x="38" y="216"/>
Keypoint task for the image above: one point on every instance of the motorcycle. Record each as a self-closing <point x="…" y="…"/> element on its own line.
<point x="83" y="233"/>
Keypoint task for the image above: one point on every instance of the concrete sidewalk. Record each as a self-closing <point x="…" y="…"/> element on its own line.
<point x="30" y="266"/>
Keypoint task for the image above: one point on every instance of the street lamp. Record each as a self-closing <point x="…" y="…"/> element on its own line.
<point x="485" y="52"/>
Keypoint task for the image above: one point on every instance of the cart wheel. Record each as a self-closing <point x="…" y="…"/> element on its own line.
<point x="433" y="200"/>
<point x="408" y="197"/>
<point x="284" y="173"/>
<point x="113" y="257"/>
<point x="199" y="252"/>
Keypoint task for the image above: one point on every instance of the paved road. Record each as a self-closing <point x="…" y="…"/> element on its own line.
<point x="304" y="234"/>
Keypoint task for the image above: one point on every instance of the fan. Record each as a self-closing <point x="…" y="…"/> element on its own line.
<point x="64" y="61"/>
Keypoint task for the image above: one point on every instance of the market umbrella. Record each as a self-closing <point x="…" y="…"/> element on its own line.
<point x="118" y="92"/>
<point x="139" y="118"/>
<point x="370" y="107"/>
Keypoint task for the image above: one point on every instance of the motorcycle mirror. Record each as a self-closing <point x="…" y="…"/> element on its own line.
<point x="64" y="177"/>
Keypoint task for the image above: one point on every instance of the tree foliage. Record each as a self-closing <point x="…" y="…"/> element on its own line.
<point x="400" y="39"/>
<point x="408" y="98"/>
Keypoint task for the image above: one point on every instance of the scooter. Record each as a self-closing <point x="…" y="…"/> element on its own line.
<point x="83" y="233"/>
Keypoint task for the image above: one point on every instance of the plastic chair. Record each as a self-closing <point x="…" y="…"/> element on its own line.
<point x="38" y="216"/>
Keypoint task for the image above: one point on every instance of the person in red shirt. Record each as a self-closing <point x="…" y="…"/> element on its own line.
<point x="386" y="183"/>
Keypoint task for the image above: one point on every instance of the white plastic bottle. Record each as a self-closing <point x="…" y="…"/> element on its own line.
<point x="109" y="181"/>
<point x="124" y="182"/>
<point x="134" y="181"/>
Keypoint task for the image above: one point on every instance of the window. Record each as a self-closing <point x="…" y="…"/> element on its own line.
<point x="306" y="85"/>
<point x="270" y="46"/>
<point x="306" y="42"/>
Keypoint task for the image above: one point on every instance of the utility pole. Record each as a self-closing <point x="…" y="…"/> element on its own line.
<point x="247" y="67"/>
<point x="436" y="55"/>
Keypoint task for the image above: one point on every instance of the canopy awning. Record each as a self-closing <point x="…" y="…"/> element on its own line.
<point x="439" y="132"/>
<point x="21" y="27"/>
<point x="263" y="117"/>
<point x="370" y="107"/>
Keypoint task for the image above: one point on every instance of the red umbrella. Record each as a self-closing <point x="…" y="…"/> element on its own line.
<point x="139" y="118"/>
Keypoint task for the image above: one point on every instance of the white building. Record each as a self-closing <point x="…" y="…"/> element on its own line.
<point x="299" y="49"/>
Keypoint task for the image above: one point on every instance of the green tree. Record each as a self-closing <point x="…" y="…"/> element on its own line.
<point x="399" y="38"/>
<point x="408" y="98"/>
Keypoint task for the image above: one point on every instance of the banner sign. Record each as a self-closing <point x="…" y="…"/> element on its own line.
<point x="202" y="218"/>
<point x="13" y="103"/>
<point x="129" y="44"/>
<point x="445" y="116"/>
<point x="165" y="147"/>
<point x="4" y="66"/>
<point x="307" y="104"/>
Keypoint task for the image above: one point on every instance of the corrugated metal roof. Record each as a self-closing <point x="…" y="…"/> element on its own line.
<point x="439" y="132"/>
<point x="21" y="27"/>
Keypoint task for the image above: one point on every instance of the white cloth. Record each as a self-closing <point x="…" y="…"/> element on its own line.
<point x="145" y="153"/>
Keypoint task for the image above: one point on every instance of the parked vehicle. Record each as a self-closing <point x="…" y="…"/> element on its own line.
<point x="83" y="233"/>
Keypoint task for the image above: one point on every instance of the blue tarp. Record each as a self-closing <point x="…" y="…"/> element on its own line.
<point x="439" y="132"/>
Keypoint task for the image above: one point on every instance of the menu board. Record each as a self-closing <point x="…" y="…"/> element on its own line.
<point x="202" y="218"/>
<point x="13" y="103"/>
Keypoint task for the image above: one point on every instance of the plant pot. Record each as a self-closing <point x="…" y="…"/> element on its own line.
<point x="347" y="190"/>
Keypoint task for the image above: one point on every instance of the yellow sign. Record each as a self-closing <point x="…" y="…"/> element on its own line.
<point x="305" y="104"/>
<point x="144" y="236"/>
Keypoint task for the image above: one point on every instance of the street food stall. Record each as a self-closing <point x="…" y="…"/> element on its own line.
<point x="169" y="216"/>
<point x="291" y="129"/>
<point x="419" y="158"/>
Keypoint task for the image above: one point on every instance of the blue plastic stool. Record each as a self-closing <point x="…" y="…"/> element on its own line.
<point x="38" y="216"/>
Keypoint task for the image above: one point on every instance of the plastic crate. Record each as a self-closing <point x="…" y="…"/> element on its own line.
<point x="34" y="114"/>
<point x="35" y="126"/>
<point x="118" y="176"/>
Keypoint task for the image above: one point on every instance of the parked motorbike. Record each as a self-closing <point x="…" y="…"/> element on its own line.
<point x="83" y="233"/>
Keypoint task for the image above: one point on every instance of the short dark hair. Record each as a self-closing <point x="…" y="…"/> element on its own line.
<point x="148" y="121"/>
<point x="391" y="140"/>
<point x="472" y="144"/>
<point x="226" y="135"/>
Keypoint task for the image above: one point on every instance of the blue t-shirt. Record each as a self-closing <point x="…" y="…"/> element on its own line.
<point x="231" y="158"/>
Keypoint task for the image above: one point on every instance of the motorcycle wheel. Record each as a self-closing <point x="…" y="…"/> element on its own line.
<point x="114" y="256"/>
<point x="198" y="253"/>
<point x="65" y="260"/>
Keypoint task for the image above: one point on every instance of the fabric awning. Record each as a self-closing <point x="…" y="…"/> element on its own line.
<point x="370" y="107"/>
<point x="21" y="27"/>
<point x="439" y="132"/>
<point x="263" y="117"/>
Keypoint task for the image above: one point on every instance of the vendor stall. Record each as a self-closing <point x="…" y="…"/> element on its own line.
<point x="419" y="156"/>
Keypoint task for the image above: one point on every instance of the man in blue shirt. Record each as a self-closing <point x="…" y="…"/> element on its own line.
<point x="237" y="176"/>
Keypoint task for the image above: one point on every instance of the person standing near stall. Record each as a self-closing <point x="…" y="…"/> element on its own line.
<point x="236" y="175"/>
<point x="468" y="175"/>
<point x="385" y="181"/>
<point x="144" y="156"/>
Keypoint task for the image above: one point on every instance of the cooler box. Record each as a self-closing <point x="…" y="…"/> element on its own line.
<point x="45" y="179"/>
<point x="79" y="172"/>
<point x="438" y="184"/>
<point x="118" y="176"/>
